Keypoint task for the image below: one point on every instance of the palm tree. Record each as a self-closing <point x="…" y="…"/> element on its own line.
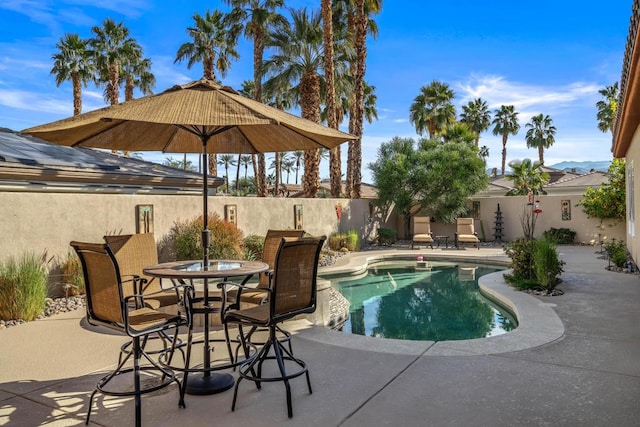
<point x="73" y="63"/>
<point x="255" y="18"/>
<point x="459" y="132"/>
<point x="330" y="96"/>
<point x="432" y="110"/>
<point x="483" y="152"/>
<point x="607" y="108"/>
<point x="111" y="46"/>
<point x="359" y="23"/>
<point x="505" y="122"/>
<point x="136" y="73"/>
<point x="527" y="177"/>
<point x="541" y="134"/>
<point x="297" y="157"/>
<point x="226" y="160"/>
<point x="288" y="165"/>
<point x="213" y="44"/>
<point x="296" y="61"/>
<point x="282" y="98"/>
<point x="245" y="159"/>
<point x="476" y="114"/>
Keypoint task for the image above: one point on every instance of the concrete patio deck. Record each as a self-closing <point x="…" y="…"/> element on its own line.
<point x="576" y="364"/>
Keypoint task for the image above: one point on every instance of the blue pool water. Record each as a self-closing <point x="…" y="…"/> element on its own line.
<point x="440" y="303"/>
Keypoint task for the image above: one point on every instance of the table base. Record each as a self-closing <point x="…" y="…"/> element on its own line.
<point x="212" y="384"/>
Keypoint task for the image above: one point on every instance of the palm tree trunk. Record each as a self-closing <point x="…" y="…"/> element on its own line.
<point x="261" y="175"/>
<point x="361" y="55"/>
<point x="541" y="154"/>
<point x="310" y="106"/>
<point x="238" y="174"/>
<point x="77" y="94"/>
<point x="335" y="174"/>
<point x="504" y="152"/>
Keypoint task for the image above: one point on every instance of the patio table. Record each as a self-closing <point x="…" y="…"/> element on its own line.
<point x="209" y="382"/>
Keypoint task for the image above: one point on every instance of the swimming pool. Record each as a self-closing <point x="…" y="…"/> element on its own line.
<point x="439" y="302"/>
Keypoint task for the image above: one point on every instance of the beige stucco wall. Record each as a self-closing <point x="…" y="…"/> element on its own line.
<point x="35" y="221"/>
<point x="632" y="159"/>
<point x="512" y="207"/>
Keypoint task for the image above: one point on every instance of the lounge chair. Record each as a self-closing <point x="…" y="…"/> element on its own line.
<point x="465" y="233"/>
<point x="422" y="231"/>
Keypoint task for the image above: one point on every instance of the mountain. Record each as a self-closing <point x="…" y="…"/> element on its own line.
<point x="583" y="167"/>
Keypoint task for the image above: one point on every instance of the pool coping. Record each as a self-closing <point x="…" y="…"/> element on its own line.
<point x="538" y="323"/>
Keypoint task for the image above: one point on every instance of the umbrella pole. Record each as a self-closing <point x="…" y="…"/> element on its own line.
<point x="205" y="203"/>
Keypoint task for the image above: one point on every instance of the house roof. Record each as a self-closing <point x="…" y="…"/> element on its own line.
<point x="628" y="113"/>
<point x="31" y="163"/>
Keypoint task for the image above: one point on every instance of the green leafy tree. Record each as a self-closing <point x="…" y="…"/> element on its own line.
<point x="391" y="173"/>
<point x="477" y="116"/>
<point x="609" y="200"/>
<point x="433" y="177"/>
<point x="541" y="134"/>
<point x="73" y="62"/>
<point x="607" y="107"/>
<point x="505" y="123"/>
<point x="446" y="176"/>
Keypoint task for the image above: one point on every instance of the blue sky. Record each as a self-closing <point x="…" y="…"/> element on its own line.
<point x="547" y="57"/>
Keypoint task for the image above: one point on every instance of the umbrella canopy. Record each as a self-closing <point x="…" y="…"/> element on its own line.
<point x="198" y="117"/>
<point x="181" y="118"/>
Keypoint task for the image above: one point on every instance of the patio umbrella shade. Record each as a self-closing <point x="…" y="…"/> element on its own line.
<point x="198" y="117"/>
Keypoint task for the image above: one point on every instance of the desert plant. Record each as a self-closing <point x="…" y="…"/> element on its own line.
<point x="386" y="236"/>
<point x="23" y="287"/>
<point x="337" y="241"/>
<point x="352" y="240"/>
<point x="547" y="265"/>
<point x="560" y="236"/>
<point x="226" y="239"/>
<point x="617" y="252"/>
<point x="72" y="278"/>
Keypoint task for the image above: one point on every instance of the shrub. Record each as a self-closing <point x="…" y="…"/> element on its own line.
<point x="560" y="236"/>
<point x="337" y="241"/>
<point x="23" y="287"/>
<point x="226" y="239"/>
<point x="617" y="252"/>
<point x="344" y="241"/>
<point x="253" y="244"/>
<point x="386" y="236"/>
<point x="521" y="253"/>
<point x="547" y="264"/>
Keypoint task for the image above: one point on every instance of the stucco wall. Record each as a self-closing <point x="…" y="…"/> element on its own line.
<point x="38" y="221"/>
<point x="632" y="159"/>
<point x="512" y="207"/>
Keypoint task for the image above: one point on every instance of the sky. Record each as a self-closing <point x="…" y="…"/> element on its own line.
<point x="549" y="57"/>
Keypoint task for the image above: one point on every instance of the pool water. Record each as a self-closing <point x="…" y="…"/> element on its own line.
<point x="438" y="303"/>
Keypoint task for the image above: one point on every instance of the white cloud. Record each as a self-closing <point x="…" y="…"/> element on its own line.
<point x="34" y="101"/>
<point x="497" y="91"/>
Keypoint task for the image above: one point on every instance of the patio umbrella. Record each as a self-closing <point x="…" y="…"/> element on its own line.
<point x="198" y="117"/>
